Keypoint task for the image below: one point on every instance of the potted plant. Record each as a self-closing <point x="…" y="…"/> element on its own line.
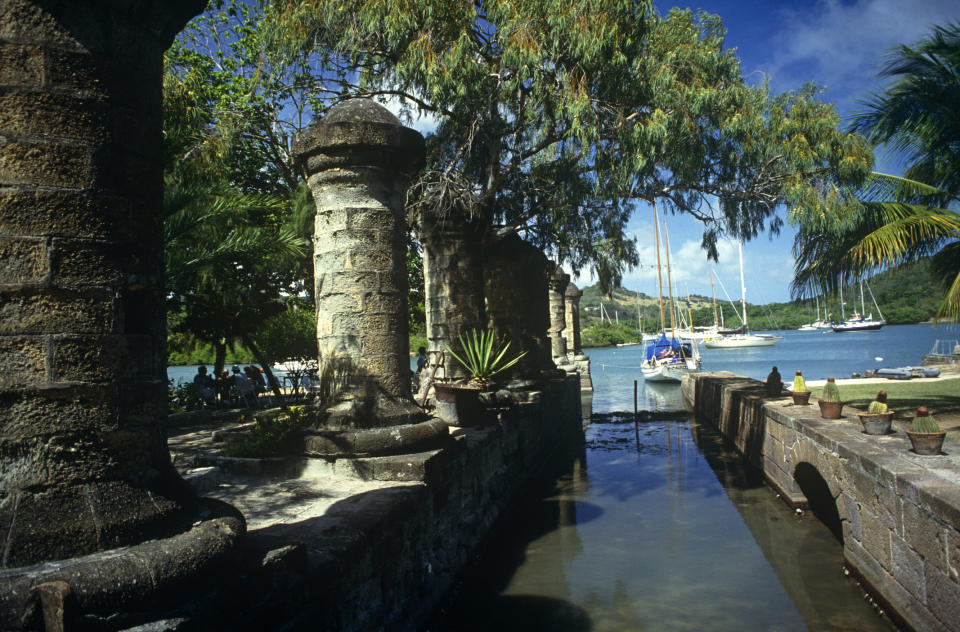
<point x="800" y="392"/>
<point x="830" y="405"/>
<point x="925" y="434"/>
<point x="877" y="419"/>
<point x="459" y="404"/>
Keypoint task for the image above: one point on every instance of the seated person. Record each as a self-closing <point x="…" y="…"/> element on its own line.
<point x="205" y="385"/>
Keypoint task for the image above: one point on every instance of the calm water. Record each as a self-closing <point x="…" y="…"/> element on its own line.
<point x="670" y="533"/>
<point x="666" y="529"/>
<point x="818" y="355"/>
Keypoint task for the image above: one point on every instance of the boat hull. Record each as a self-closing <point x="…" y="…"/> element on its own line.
<point x="672" y="372"/>
<point x="847" y="327"/>
<point x="737" y="342"/>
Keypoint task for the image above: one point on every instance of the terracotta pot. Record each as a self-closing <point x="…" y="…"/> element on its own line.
<point x="800" y="398"/>
<point x="830" y="410"/>
<point x="876" y="423"/>
<point x="458" y="404"/>
<point x="926" y="443"/>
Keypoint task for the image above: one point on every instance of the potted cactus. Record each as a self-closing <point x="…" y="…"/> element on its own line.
<point x="830" y="405"/>
<point x="877" y="419"/>
<point x="925" y="434"/>
<point x="800" y="392"/>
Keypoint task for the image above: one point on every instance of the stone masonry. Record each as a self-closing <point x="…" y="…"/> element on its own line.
<point x="575" y="355"/>
<point x="84" y="463"/>
<point x="900" y="512"/>
<point x="515" y="275"/>
<point x="359" y="161"/>
<point x="557" y="285"/>
<point x="453" y="278"/>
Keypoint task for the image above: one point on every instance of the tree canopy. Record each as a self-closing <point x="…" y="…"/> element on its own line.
<point x="890" y="220"/>
<point x="552" y="117"/>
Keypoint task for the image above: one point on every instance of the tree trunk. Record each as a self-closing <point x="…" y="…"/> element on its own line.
<point x="220" y="348"/>
<point x="274" y="384"/>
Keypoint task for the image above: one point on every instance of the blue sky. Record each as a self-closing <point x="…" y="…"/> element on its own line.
<point x="837" y="44"/>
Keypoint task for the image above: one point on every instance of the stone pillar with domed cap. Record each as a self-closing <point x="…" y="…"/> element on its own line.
<point x="359" y="160"/>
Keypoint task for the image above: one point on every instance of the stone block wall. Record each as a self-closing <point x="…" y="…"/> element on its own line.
<point x="899" y="512"/>
<point x="384" y="559"/>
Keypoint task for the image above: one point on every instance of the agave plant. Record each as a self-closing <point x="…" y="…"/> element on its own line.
<point x="831" y="392"/>
<point x="481" y="357"/>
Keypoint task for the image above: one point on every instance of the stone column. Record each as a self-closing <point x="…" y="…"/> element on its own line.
<point x="572" y="316"/>
<point x="575" y="354"/>
<point x="359" y="161"/>
<point x="557" y="284"/>
<point x="453" y="279"/>
<point x="82" y="327"/>
<point x="515" y="288"/>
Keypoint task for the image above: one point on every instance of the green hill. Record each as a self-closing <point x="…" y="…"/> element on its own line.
<point x="905" y="295"/>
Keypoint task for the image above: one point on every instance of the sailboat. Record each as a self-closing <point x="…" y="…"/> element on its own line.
<point x="858" y="322"/>
<point x="746" y="339"/>
<point x="667" y="360"/>
<point x="819" y="323"/>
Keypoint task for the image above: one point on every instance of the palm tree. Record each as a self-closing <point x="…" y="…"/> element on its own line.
<point x="891" y="220"/>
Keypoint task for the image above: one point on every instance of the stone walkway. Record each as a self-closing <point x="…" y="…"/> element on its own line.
<point x="265" y="500"/>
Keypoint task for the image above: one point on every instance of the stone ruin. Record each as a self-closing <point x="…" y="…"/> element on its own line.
<point x="92" y="514"/>
<point x="91" y="510"/>
<point x="359" y="161"/>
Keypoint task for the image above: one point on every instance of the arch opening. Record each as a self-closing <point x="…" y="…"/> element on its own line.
<point x="820" y="498"/>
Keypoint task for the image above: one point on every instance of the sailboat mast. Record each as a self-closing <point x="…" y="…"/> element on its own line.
<point x="843" y="312"/>
<point x="656" y="233"/>
<point x="689" y="311"/>
<point x="863" y="306"/>
<point x="713" y="293"/>
<point x="666" y="244"/>
<point x="743" y="289"/>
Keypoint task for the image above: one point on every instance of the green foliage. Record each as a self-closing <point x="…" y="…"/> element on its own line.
<point x="799" y="385"/>
<point x="181" y="398"/>
<point x="608" y="334"/>
<point x="890" y="220"/>
<point x="925" y="423"/>
<point x="271" y="435"/>
<point x="289" y="335"/>
<point x="831" y="392"/>
<point x="481" y="357"/>
<point x="551" y="116"/>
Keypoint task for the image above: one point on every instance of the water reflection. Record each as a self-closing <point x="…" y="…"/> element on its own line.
<point x="661" y="534"/>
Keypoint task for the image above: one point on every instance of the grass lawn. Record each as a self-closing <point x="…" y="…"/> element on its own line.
<point x="942" y="396"/>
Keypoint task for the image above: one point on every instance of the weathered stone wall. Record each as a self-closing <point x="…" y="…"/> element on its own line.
<point x="557" y="286"/>
<point x="515" y="276"/>
<point x="900" y="513"/>
<point x="82" y="326"/>
<point x="453" y="279"/>
<point x="575" y="355"/>
<point x="383" y="560"/>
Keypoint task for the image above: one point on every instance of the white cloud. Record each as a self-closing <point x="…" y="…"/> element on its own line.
<point x="409" y="114"/>
<point x="843" y="45"/>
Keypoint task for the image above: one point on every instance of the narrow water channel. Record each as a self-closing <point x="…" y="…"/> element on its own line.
<point x="658" y="528"/>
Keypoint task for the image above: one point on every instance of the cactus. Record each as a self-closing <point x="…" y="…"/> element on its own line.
<point x="831" y="392"/>
<point x="879" y="405"/>
<point x="924" y="421"/>
<point x="799" y="386"/>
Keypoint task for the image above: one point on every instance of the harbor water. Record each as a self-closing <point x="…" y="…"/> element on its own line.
<point x="663" y="527"/>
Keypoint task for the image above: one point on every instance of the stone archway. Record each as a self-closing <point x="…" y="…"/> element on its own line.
<point x="821" y="500"/>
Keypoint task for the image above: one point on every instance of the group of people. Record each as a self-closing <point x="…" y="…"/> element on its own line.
<point x="223" y="390"/>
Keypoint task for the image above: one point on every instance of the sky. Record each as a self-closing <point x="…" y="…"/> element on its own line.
<point x="840" y="45"/>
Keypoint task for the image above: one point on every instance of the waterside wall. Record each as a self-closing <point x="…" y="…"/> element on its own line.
<point x="899" y="513"/>
<point x="384" y="559"/>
